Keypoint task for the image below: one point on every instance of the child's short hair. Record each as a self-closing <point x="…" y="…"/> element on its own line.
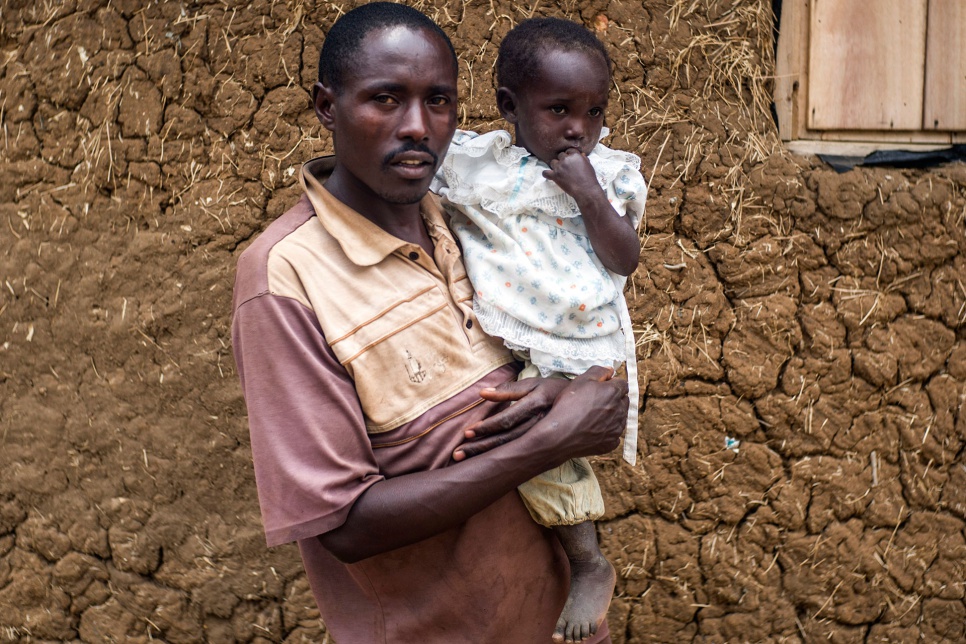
<point x="345" y="37"/>
<point x="517" y="59"/>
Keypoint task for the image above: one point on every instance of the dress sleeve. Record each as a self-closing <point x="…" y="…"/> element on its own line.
<point x="441" y="180"/>
<point x="630" y="192"/>
<point x="311" y="452"/>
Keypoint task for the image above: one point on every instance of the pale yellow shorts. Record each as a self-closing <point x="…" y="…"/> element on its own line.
<point x="566" y="495"/>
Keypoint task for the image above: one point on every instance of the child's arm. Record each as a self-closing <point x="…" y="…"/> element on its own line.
<point x="613" y="238"/>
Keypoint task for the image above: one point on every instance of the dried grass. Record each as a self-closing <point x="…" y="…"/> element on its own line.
<point x="726" y="63"/>
<point x="737" y="51"/>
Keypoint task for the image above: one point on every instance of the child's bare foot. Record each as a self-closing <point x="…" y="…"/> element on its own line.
<point x="591" y="588"/>
<point x="592" y="580"/>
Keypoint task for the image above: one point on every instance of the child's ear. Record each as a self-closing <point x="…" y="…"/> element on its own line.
<point x="323" y="100"/>
<point x="506" y="102"/>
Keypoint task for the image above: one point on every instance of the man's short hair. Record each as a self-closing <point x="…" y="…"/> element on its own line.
<point x="520" y="51"/>
<point x="345" y="37"/>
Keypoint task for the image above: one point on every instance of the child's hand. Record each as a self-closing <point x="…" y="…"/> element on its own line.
<point x="571" y="170"/>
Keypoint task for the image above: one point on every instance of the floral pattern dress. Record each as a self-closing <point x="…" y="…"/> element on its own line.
<point x="538" y="283"/>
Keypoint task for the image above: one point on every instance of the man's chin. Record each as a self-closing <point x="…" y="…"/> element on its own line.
<point x="407" y="196"/>
<point x="405" y="199"/>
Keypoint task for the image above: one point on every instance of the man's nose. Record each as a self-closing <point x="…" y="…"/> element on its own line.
<point x="415" y="122"/>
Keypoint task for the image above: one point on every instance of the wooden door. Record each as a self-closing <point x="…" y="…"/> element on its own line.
<point x="865" y="66"/>
<point x="945" y="95"/>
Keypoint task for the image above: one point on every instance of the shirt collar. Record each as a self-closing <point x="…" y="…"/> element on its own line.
<point x="363" y="242"/>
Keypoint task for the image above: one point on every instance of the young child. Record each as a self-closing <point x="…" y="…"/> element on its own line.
<point x="549" y="234"/>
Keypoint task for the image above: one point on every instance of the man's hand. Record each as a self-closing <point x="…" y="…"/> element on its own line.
<point x="534" y="398"/>
<point x="589" y="416"/>
<point x="572" y="171"/>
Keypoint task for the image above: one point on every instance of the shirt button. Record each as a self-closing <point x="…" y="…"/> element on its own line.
<point x="469" y="324"/>
<point x="414" y="256"/>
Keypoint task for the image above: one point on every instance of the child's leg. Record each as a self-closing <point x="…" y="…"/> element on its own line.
<point x="567" y="499"/>
<point x="592" y="580"/>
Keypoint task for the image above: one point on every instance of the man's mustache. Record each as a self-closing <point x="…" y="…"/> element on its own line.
<point x="410" y="147"/>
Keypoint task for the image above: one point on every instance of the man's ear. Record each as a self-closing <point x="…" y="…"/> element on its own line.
<point x="323" y="99"/>
<point x="506" y="102"/>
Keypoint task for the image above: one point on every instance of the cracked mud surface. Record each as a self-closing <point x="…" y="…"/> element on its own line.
<point x="801" y="333"/>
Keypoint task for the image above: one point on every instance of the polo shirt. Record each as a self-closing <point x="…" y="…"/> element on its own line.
<point x="361" y="359"/>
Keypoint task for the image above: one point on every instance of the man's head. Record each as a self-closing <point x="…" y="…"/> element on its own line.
<point x="388" y="95"/>
<point x="342" y="43"/>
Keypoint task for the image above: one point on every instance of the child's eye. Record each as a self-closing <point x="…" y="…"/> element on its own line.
<point x="596" y="111"/>
<point x="558" y="109"/>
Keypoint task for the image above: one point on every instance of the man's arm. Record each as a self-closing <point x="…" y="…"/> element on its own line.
<point x="613" y="238"/>
<point x="314" y="465"/>
<point x="587" y="418"/>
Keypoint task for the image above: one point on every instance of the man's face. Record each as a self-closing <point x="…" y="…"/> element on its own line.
<point x="394" y="116"/>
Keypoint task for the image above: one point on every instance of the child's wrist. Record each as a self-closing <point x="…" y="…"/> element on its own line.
<point x="588" y="201"/>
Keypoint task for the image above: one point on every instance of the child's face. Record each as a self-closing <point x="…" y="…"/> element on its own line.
<point x="563" y="107"/>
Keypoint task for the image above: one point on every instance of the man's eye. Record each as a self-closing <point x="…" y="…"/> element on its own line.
<point x="439" y="100"/>
<point x="385" y="99"/>
<point x="558" y="109"/>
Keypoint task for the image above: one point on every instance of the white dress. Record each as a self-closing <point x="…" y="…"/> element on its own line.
<point x="538" y="283"/>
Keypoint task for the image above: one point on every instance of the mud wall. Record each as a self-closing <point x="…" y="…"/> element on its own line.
<point x="800" y="332"/>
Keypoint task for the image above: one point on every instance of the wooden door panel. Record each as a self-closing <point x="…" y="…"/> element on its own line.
<point x="945" y="95"/>
<point x="865" y="69"/>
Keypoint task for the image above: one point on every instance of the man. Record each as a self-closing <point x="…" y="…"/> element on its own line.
<point x="363" y="370"/>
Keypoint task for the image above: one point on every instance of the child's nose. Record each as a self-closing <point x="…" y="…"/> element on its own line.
<point x="576" y="129"/>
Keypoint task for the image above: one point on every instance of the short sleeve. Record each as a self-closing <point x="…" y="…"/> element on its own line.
<point x="630" y="193"/>
<point x="311" y="453"/>
<point x="440" y="181"/>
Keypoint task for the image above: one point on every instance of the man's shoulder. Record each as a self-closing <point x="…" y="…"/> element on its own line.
<point x="286" y="224"/>
<point x="252" y="272"/>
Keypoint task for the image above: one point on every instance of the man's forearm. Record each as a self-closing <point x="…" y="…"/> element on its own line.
<point x="586" y="418"/>
<point x="400" y="511"/>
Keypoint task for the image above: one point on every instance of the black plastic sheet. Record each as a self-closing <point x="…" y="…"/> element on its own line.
<point x="897" y="158"/>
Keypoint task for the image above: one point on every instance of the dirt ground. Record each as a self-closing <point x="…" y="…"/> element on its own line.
<point x="801" y="332"/>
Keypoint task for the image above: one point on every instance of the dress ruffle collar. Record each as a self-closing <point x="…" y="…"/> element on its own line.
<point x="509" y="180"/>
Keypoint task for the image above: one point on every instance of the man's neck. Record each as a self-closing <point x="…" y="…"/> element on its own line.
<point x="403" y="221"/>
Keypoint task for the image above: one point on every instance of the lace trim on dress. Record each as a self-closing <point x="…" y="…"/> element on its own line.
<point x="521" y="336"/>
